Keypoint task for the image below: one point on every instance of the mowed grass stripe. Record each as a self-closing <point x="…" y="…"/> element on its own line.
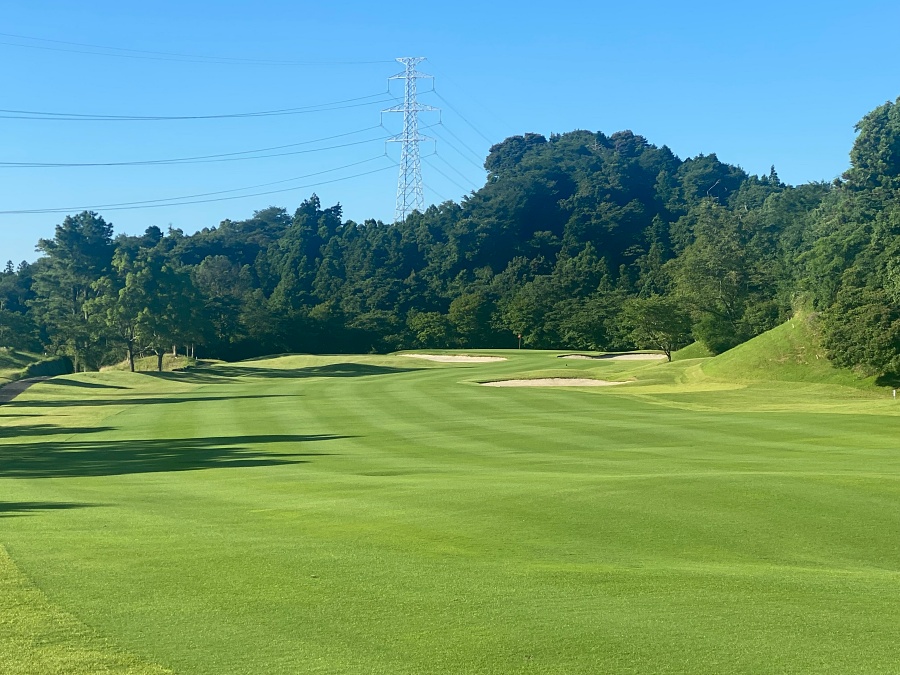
<point x="426" y="539"/>
<point x="37" y="638"/>
<point x="455" y="414"/>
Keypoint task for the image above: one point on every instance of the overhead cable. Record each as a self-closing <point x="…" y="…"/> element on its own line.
<point x="438" y="194"/>
<point x="431" y="164"/>
<point x="446" y="78"/>
<point x="122" y="52"/>
<point x="462" y="117"/>
<point x="458" y="151"/>
<point x="458" y="172"/>
<point x="460" y="141"/>
<point x="205" y="159"/>
<point x="192" y="199"/>
<point x="84" y="117"/>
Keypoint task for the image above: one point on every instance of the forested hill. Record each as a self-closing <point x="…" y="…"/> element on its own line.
<point x="580" y="240"/>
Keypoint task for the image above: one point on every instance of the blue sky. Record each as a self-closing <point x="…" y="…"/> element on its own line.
<point x="757" y="83"/>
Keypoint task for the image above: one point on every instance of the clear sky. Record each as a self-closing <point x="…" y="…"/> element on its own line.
<point x="758" y="83"/>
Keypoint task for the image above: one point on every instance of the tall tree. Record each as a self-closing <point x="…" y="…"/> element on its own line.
<point x="79" y="254"/>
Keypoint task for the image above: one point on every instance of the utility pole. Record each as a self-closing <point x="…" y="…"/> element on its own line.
<point x="410" y="196"/>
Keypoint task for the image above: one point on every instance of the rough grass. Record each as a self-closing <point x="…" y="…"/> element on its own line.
<point x="385" y="515"/>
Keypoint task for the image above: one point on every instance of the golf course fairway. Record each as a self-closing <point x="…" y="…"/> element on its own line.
<point x="381" y="514"/>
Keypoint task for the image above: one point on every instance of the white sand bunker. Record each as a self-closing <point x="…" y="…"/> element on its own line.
<point x="455" y="358"/>
<point x="634" y="356"/>
<point x="553" y="382"/>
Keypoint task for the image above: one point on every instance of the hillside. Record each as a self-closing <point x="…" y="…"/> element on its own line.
<point x="13" y="363"/>
<point x="148" y="363"/>
<point x="791" y="352"/>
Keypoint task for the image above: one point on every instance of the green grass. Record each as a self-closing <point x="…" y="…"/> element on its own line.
<point x="389" y="515"/>
<point x="695" y="350"/>
<point x="149" y="363"/>
<point x="37" y="637"/>
<point x="13" y="362"/>
<point x="791" y="352"/>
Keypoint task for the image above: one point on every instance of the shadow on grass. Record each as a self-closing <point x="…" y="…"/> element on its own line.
<point x="12" y="509"/>
<point x="27" y="430"/>
<point x="217" y="373"/>
<point x="888" y="380"/>
<point x="62" y="381"/>
<point x="154" y="400"/>
<point x="6" y="414"/>
<point x="81" y="458"/>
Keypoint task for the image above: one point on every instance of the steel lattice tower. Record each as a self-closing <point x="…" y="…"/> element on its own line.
<point x="410" y="196"/>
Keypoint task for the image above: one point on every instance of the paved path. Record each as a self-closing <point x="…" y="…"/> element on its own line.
<point x="9" y="391"/>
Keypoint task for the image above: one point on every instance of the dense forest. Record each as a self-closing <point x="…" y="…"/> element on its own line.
<point x="576" y="241"/>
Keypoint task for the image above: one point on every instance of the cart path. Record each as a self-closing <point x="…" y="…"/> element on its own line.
<point x="9" y="391"/>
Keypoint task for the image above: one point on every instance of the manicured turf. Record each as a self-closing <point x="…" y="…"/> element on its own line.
<point x="389" y="515"/>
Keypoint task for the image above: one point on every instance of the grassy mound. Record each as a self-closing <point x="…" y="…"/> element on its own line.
<point x="791" y="352"/>
<point x="148" y="363"/>
<point x="13" y="363"/>
<point x="695" y="350"/>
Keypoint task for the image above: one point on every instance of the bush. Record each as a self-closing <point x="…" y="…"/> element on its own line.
<point x="54" y="365"/>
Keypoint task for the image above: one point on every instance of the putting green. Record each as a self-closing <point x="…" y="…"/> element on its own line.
<point x="389" y="515"/>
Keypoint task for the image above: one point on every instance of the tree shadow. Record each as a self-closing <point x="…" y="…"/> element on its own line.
<point x="62" y="381"/>
<point x="888" y="380"/>
<point x="83" y="458"/>
<point x="6" y="414"/>
<point x="154" y="400"/>
<point x="26" y="430"/>
<point x="219" y="372"/>
<point x="13" y="509"/>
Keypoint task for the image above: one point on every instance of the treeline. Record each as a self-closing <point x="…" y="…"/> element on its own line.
<point x="580" y="240"/>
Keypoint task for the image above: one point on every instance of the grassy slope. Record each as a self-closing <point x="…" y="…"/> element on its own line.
<point x="791" y="352"/>
<point x="386" y="515"/>
<point x="148" y="363"/>
<point x="695" y="350"/>
<point x="12" y="363"/>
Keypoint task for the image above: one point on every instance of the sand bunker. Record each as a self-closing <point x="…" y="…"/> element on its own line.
<point x="616" y="357"/>
<point x="553" y="382"/>
<point x="455" y="358"/>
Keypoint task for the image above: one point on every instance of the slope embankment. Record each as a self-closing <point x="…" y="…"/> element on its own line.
<point x="791" y="352"/>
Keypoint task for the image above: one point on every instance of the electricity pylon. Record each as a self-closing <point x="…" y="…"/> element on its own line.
<point x="410" y="196"/>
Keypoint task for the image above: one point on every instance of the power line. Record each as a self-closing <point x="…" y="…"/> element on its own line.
<point x="168" y="56"/>
<point x="459" y="152"/>
<point x="460" y="173"/>
<point x="450" y="105"/>
<point x="180" y="201"/>
<point x="83" y="117"/>
<point x="426" y="185"/>
<point x="444" y="77"/>
<point x="205" y="159"/>
<point x="461" y="141"/>
<point x="438" y="194"/>
<point x="431" y="164"/>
